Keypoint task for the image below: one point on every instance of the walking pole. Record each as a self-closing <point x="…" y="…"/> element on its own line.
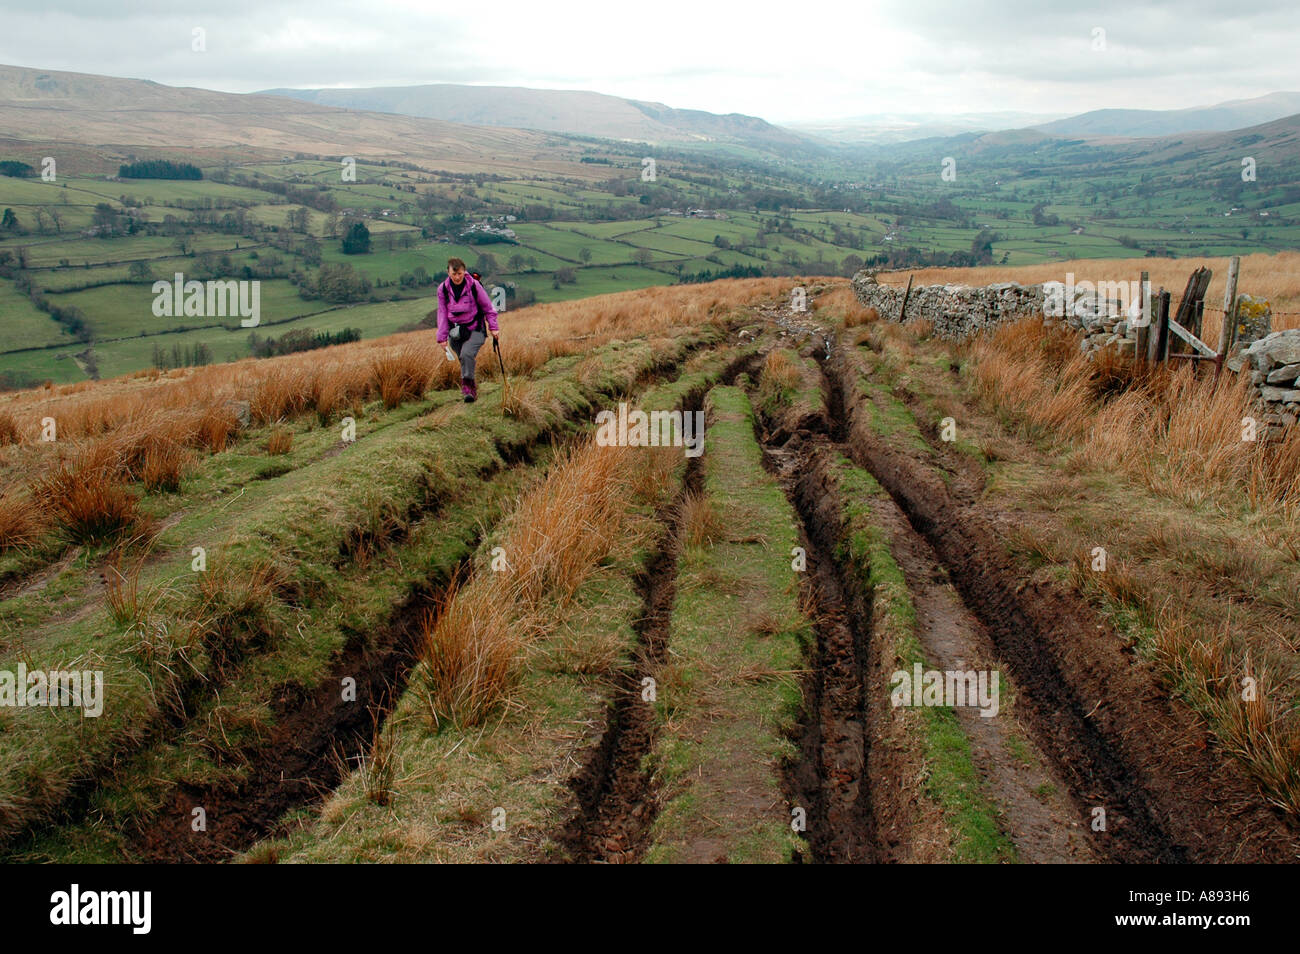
<point x="496" y="346"/>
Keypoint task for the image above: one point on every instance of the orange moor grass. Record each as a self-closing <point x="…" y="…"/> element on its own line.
<point x="551" y="543"/>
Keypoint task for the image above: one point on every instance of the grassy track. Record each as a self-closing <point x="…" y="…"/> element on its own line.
<point x="729" y="696"/>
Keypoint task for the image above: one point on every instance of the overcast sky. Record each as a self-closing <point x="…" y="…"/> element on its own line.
<point x="810" y="59"/>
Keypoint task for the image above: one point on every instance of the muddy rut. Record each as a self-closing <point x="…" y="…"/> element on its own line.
<point x="1122" y="749"/>
<point x="318" y="736"/>
<point x="616" y="804"/>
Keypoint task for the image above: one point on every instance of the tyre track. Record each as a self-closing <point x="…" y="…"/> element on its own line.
<point x="614" y="791"/>
<point x="1122" y="745"/>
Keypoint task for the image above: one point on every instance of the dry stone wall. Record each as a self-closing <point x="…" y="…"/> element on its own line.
<point x="1271" y="359"/>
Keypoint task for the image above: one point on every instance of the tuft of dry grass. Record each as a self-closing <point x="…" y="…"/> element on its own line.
<point x="379" y="766"/>
<point x="165" y="463"/>
<point x="86" y="495"/>
<point x="702" y="525"/>
<point x="1177" y="429"/>
<point x="467" y="658"/>
<point x="779" y="378"/>
<point x="404" y="375"/>
<point x="557" y="534"/>
<point x="522" y="401"/>
<point x="234" y="613"/>
<point x="279" y="441"/>
<point x="860" y="316"/>
<point x="213" y="426"/>
<point x="283" y="392"/>
<point x="21" y="523"/>
<point x="127" y="604"/>
<point x="1243" y="703"/>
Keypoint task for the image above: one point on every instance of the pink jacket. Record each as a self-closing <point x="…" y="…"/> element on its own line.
<point x="463" y="311"/>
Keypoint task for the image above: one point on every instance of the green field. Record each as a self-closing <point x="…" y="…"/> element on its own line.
<point x="883" y="208"/>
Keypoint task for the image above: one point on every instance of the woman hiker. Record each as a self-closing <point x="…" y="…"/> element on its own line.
<point x="464" y="309"/>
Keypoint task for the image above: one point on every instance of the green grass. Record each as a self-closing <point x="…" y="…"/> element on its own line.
<point x="730" y="693"/>
<point x="519" y="761"/>
<point x="298" y="522"/>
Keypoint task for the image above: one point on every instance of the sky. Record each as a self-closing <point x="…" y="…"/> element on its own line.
<point x="811" y="60"/>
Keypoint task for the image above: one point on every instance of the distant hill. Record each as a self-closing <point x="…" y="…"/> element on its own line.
<point x="54" y="106"/>
<point x="1145" y="123"/>
<point x="886" y="128"/>
<point x="1276" y="143"/>
<point x="576" y="112"/>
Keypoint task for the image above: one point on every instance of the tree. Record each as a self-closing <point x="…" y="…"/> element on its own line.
<point x="584" y="253"/>
<point x="357" y="240"/>
<point x="9" y="221"/>
<point x="139" y="272"/>
<point x="310" y="250"/>
<point x="642" y="256"/>
<point x="104" y="218"/>
<point x="486" y="264"/>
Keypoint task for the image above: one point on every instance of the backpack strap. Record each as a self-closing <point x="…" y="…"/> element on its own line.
<point x="480" y="318"/>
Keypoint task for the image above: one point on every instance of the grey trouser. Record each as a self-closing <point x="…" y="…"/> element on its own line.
<point x="465" y="342"/>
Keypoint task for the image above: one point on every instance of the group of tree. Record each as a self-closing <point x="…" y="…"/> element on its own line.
<point x="735" y="271"/>
<point x="356" y="241"/>
<point x="181" y="357"/>
<point x="109" y="222"/>
<point x="159" y="169"/>
<point x="419" y="278"/>
<point x="336" y="283"/>
<point x="15" y="169"/>
<point x="300" y="339"/>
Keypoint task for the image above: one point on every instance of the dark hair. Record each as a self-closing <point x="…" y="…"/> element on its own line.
<point x="456" y="263"/>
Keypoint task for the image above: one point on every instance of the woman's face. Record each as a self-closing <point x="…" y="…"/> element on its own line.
<point x="457" y="275"/>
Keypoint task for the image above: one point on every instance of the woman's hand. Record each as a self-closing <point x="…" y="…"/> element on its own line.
<point x="495" y="334"/>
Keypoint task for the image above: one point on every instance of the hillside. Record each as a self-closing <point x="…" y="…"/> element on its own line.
<point x="576" y="112"/>
<point x="1147" y="123"/>
<point x="886" y="128"/>
<point x="352" y="619"/>
<point x="52" y="106"/>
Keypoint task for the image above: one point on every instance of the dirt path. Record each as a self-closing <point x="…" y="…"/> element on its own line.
<point x="1036" y="811"/>
<point x="838" y="771"/>
<point x="831" y="775"/>
<point x="1121" y="745"/>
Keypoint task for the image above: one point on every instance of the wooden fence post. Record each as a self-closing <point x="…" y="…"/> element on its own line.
<point x="1158" y="343"/>
<point x="1229" y="307"/>
<point x="906" y="295"/>
<point x="1144" y="326"/>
